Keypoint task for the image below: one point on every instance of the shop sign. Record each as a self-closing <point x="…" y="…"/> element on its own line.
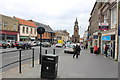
<point x="103" y="26"/>
<point x="106" y="38"/>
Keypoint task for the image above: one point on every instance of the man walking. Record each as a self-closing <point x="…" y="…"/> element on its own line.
<point x="106" y="49"/>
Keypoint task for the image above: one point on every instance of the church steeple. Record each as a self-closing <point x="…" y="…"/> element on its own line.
<point x="76" y="22"/>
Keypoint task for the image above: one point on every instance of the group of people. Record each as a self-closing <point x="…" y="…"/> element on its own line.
<point x="77" y="50"/>
<point x="96" y="49"/>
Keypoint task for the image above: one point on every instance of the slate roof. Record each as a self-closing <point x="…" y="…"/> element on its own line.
<point x="47" y="27"/>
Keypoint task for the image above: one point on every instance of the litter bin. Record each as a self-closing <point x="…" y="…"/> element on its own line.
<point x="91" y="49"/>
<point x="49" y="66"/>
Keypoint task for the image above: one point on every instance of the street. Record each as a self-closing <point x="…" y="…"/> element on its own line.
<point x="11" y="57"/>
<point x="88" y="65"/>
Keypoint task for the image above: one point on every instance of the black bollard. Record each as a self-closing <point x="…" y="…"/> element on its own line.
<point x="20" y="61"/>
<point x="45" y="51"/>
<point x="54" y="51"/>
<point x="33" y="58"/>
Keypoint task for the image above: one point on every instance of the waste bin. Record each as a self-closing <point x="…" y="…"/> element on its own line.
<point x="91" y="49"/>
<point x="49" y="66"/>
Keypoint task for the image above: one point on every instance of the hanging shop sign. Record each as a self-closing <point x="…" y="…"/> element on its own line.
<point x="106" y="38"/>
<point x="103" y="26"/>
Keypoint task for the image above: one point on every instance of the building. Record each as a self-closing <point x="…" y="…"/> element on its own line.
<point x="48" y="36"/>
<point x="62" y="35"/>
<point x="76" y="36"/>
<point x="27" y="30"/>
<point x="9" y="28"/>
<point x="103" y="27"/>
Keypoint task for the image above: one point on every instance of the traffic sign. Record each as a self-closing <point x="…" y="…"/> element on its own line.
<point x="40" y="30"/>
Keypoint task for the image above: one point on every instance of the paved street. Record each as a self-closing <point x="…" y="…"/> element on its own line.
<point x="86" y="66"/>
<point x="11" y="57"/>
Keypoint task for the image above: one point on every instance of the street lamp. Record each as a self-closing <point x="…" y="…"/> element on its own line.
<point x="40" y="30"/>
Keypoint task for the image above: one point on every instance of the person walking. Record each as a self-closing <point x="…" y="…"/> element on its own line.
<point x="96" y="49"/>
<point x="106" y="49"/>
<point x="76" y="51"/>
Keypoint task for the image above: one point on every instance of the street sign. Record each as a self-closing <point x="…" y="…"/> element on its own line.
<point x="40" y="30"/>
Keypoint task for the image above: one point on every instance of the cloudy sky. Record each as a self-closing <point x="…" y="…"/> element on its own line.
<point x="59" y="14"/>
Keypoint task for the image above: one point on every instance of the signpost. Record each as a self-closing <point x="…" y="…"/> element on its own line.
<point x="40" y="30"/>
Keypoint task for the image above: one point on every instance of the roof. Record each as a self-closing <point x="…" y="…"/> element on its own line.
<point x="25" y="22"/>
<point x="47" y="27"/>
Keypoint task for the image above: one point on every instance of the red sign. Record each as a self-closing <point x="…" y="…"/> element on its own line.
<point x="9" y="32"/>
<point x="103" y="26"/>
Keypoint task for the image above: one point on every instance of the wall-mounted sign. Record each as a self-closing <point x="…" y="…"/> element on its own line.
<point x="103" y="26"/>
<point x="106" y="38"/>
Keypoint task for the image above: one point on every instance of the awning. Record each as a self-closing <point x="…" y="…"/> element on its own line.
<point x="32" y="37"/>
<point x="23" y="37"/>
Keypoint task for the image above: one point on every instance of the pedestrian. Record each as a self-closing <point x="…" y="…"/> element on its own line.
<point x="76" y="51"/>
<point x="106" y="49"/>
<point x="96" y="49"/>
<point x="86" y="46"/>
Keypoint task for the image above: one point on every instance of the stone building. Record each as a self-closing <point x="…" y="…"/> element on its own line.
<point x="48" y="36"/>
<point x="76" y="36"/>
<point x="104" y="13"/>
<point x="62" y="35"/>
<point x="8" y="28"/>
<point x="27" y="30"/>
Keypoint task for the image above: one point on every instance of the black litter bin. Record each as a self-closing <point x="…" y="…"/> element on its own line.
<point x="49" y="66"/>
<point x="91" y="49"/>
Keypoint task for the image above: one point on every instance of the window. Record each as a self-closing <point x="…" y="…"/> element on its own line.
<point x="34" y="31"/>
<point x="5" y="24"/>
<point x="23" y="29"/>
<point x="15" y="26"/>
<point x="31" y="30"/>
<point x="113" y="16"/>
<point x="105" y="19"/>
<point x="27" y="30"/>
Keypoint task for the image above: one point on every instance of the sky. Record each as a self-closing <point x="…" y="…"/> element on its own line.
<point x="59" y="14"/>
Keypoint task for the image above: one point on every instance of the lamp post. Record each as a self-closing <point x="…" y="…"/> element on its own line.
<point x="40" y="30"/>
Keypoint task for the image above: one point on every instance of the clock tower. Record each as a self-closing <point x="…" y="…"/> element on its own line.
<point x="76" y="36"/>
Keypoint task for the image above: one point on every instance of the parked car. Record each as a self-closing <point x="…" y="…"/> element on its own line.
<point x="59" y="45"/>
<point x="3" y="44"/>
<point x="23" y="45"/>
<point x="46" y="44"/>
<point x="69" y="48"/>
<point x="38" y="43"/>
<point x="20" y="45"/>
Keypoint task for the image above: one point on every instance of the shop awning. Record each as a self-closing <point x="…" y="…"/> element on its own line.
<point x="23" y="37"/>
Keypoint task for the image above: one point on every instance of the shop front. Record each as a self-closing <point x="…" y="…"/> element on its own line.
<point x="8" y="35"/>
<point x="110" y="41"/>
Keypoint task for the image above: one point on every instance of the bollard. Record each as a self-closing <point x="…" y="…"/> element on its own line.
<point x="20" y="61"/>
<point x="45" y="51"/>
<point x="54" y="51"/>
<point x="33" y="58"/>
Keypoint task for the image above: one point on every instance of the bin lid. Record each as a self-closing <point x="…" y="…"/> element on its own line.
<point x="50" y="55"/>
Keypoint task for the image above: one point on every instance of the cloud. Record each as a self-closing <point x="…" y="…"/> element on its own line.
<point x="59" y="14"/>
